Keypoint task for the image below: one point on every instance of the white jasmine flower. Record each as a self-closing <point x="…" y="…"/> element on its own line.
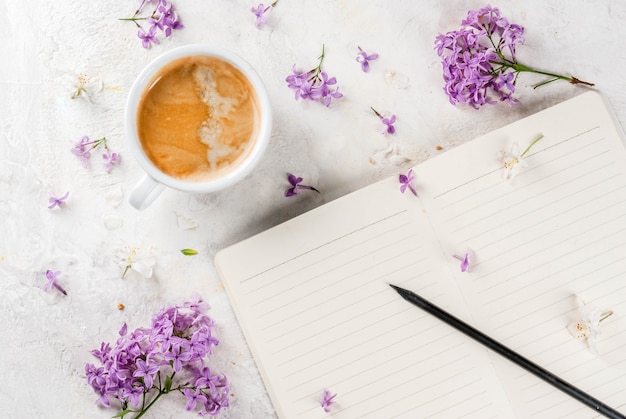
<point x="513" y="161"/>
<point x="137" y="259"/>
<point x="588" y="328"/>
<point x="86" y="87"/>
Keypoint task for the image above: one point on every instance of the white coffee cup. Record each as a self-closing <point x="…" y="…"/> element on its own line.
<point x="155" y="180"/>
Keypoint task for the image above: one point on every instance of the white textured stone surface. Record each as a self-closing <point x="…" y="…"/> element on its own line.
<point x="45" y="45"/>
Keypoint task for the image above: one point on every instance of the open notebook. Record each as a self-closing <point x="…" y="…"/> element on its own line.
<point x="313" y="300"/>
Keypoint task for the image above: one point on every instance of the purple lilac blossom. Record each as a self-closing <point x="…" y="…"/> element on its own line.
<point x="327" y="400"/>
<point x="147" y="38"/>
<point x="474" y="61"/>
<point x="163" y="19"/>
<point x="406" y="181"/>
<point x="81" y="150"/>
<point x="141" y="363"/>
<point x="479" y="63"/>
<point x="57" y="202"/>
<point x="296" y="184"/>
<point x="466" y="260"/>
<point x="52" y="282"/>
<point x="259" y="12"/>
<point x="388" y="122"/>
<point x="110" y="159"/>
<point x="363" y="58"/>
<point x="314" y="85"/>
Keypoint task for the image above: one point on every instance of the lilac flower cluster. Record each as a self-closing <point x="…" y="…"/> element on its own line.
<point x="163" y="19"/>
<point x="83" y="149"/>
<point x="314" y="85"/>
<point x="479" y="59"/>
<point x="167" y="357"/>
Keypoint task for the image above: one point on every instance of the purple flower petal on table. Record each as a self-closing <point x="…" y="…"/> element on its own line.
<point x="363" y="58"/>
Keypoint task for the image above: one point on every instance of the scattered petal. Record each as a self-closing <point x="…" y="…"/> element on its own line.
<point x="185" y="223"/>
<point x="396" y="80"/>
<point x="112" y="221"/>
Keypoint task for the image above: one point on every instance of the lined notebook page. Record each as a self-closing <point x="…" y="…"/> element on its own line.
<point x="313" y="300"/>
<point x="556" y="230"/>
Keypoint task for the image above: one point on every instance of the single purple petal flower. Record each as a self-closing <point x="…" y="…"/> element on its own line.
<point x="466" y="260"/>
<point x="389" y="123"/>
<point x="148" y="38"/>
<point x="194" y="397"/>
<point x="82" y="150"/>
<point x="259" y="12"/>
<point x="57" y="202"/>
<point x="110" y="159"/>
<point x="52" y="283"/>
<point x="406" y="181"/>
<point x="147" y="371"/>
<point x="363" y="58"/>
<point x="296" y="184"/>
<point x="205" y="379"/>
<point x="327" y="400"/>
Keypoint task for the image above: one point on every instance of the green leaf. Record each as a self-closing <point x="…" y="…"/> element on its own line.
<point x="122" y="413"/>
<point x="189" y="252"/>
<point x="168" y="384"/>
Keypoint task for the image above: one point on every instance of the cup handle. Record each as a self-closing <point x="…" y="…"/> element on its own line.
<point x="145" y="192"/>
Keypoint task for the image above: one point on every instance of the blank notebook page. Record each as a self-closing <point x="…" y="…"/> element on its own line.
<point x="555" y="231"/>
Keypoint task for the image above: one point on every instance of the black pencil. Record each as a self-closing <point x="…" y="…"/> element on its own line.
<point x="496" y="346"/>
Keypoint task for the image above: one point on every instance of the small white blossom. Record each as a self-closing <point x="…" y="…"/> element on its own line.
<point x="86" y="87"/>
<point x="513" y="161"/>
<point x="588" y="328"/>
<point x="137" y="259"/>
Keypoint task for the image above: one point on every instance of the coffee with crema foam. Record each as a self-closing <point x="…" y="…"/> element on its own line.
<point x="198" y="118"/>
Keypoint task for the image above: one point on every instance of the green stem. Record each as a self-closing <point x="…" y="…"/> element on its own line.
<point x="519" y="68"/>
<point x="132" y="19"/>
<point x="539" y="137"/>
<point x="144" y="410"/>
<point x="318" y="69"/>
